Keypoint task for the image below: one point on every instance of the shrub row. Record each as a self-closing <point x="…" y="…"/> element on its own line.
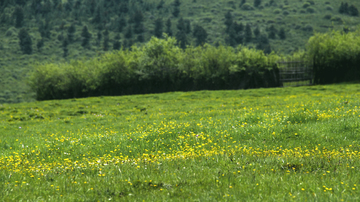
<point x="158" y="66"/>
<point x="336" y="56"/>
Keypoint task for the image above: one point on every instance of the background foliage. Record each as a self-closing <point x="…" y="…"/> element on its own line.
<point x="54" y="30"/>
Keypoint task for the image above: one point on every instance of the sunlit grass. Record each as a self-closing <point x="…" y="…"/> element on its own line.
<point x="266" y="144"/>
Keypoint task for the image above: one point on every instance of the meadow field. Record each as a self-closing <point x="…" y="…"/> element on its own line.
<point x="279" y="144"/>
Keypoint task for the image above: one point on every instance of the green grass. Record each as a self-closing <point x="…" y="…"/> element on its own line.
<point x="278" y="144"/>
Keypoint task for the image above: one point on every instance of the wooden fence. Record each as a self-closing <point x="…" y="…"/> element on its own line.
<point x="296" y="73"/>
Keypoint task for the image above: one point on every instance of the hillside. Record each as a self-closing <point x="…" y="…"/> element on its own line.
<point x="54" y="31"/>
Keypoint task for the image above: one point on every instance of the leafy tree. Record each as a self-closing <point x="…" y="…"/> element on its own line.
<point x="200" y="34"/>
<point x="248" y="33"/>
<point x="25" y="41"/>
<point x="257" y="3"/>
<point x="158" y="29"/>
<point x="86" y="36"/>
<point x="70" y="33"/>
<point x="282" y="33"/>
<point x="168" y="27"/>
<point x="19" y="16"/>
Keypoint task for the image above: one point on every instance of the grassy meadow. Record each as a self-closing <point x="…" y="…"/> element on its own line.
<point x="280" y="144"/>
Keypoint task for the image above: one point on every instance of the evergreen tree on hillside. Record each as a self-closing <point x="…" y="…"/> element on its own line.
<point x="25" y="41"/>
<point x="158" y="28"/>
<point x="344" y="8"/>
<point x="187" y="26"/>
<point x="160" y="5"/>
<point x="65" y="49"/>
<point x="272" y="32"/>
<point x="106" y="40"/>
<point x="121" y="23"/>
<point x="45" y="28"/>
<point x="181" y="25"/>
<point x="117" y="43"/>
<point x="200" y="34"/>
<point x="228" y="21"/>
<point x="19" y="16"/>
<point x="70" y="33"/>
<point x="263" y="44"/>
<point x="248" y="33"/>
<point x="128" y="32"/>
<point x="257" y="3"/>
<point x="353" y="11"/>
<point x="176" y="10"/>
<point x="282" y="33"/>
<point x="168" y="28"/>
<point x="181" y="38"/>
<point x="85" y="34"/>
<point x="257" y="32"/>
<point x="40" y="44"/>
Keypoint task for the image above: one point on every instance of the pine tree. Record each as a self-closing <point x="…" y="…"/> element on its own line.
<point x="158" y="29"/>
<point x="25" y="41"/>
<point x="282" y="34"/>
<point x="200" y="34"/>
<point x="257" y="32"/>
<point x="98" y="38"/>
<point x="242" y="2"/>
<point x="176" y="12"/>
<point x="272" y="32"/>
<point x="45" y="28"/>
<point x="248" y="33"/>
<point x="177" y="3"/>
<point x="117" y="43"/>
<point x="40" y="44"/>
<point x="182" y="39"/>
<point x="19" y="16"/>
<point x="168" y="28"/>
<point x="228" y="21"/>
<point x="85" y="34"/>
<point x="353" y="11"/>
<point x="187" y="26"/>
<point x="181" y="25"/>
<point x="128" y="32"/>
<point x="65" y="49"/>
<point x="70" y="33"/>
<point x="106" y="40"/>
<point x="257" y="3"/>
<point x="121" y="23"/>
<point x="160" y="5"/>
<point x="263" y="44"/>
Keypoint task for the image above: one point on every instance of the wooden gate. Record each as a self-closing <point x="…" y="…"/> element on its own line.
<point x="296" y="73"/>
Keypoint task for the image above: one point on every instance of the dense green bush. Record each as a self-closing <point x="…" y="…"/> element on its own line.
<point x="336" y="56"/>
<point x="158" y="66"/>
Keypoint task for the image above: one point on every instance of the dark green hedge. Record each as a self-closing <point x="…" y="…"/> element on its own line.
<point x="158" y="66"/>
